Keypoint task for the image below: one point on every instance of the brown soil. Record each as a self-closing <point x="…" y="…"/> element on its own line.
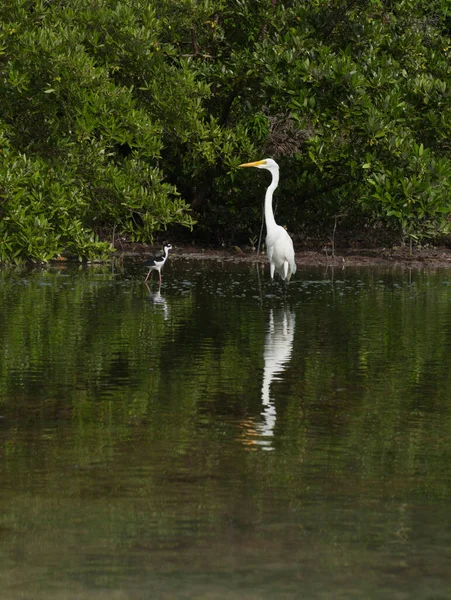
<point x="431" y="257"/>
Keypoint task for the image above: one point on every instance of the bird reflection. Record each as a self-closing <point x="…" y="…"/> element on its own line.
<point x="158" y="301"/>
<point x="277" y="353"/>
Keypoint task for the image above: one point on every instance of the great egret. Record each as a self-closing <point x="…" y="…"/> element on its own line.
<point x="156" y="263"/>
<point x="279" y="245"/>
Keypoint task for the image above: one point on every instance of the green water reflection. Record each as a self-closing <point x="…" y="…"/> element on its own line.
<point x="221" y="440"/>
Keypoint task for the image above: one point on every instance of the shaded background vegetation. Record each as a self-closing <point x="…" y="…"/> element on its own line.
<point x="130" y="117"/>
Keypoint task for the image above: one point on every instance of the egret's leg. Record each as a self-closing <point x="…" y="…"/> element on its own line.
<point x="285" y="271"/>
<point x="272" y="267"/>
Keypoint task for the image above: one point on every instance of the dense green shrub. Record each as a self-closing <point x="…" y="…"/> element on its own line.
<point x="131" y="117"/>
<point x="351" y="98"/>
<point x="78" y="153"/>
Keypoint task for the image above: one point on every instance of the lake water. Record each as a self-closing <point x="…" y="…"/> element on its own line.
<point x="222" y="439"/>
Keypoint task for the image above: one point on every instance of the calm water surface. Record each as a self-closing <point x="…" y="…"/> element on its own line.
<point x="218" y="439"/>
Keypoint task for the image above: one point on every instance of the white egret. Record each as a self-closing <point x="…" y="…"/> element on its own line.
<point x="279" y="245"/>
<point x="156" y="263"/>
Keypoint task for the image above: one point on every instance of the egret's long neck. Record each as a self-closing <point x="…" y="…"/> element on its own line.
<point x="269" y="213"/>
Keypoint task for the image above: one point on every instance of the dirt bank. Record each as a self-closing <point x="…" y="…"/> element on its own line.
<point x="430" y="257"/>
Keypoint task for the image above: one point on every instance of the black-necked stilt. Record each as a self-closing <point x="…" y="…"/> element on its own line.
<point x="156" y="263"/>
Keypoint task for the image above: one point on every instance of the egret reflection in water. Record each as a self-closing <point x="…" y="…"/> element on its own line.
<point x="276" y="355"/>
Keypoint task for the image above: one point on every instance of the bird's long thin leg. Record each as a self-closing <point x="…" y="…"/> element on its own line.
<point x="150" y="271"/>
<point x="285" y="270"/>
<point x="159" y="273"/>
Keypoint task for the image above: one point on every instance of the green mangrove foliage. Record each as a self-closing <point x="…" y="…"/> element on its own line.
<point x="78" y="153"/>
<point x="351" y="98"/>
<point x="129" y="117"/>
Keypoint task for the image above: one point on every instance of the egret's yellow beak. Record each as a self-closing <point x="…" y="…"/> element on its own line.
<point x="257" y="163"/>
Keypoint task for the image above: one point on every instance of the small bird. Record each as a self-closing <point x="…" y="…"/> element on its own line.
<point x="156" y="263"/>
<point x="279" y="245"/>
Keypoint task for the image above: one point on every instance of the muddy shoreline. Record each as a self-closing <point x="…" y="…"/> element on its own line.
<point x="431" y="257"/>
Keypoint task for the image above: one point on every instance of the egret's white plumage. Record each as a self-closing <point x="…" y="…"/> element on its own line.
<point x="279" y="245"/>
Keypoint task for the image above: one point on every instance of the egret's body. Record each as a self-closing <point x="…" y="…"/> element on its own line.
<point x="279" y="245"/>
<point x="156" y="263"/>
